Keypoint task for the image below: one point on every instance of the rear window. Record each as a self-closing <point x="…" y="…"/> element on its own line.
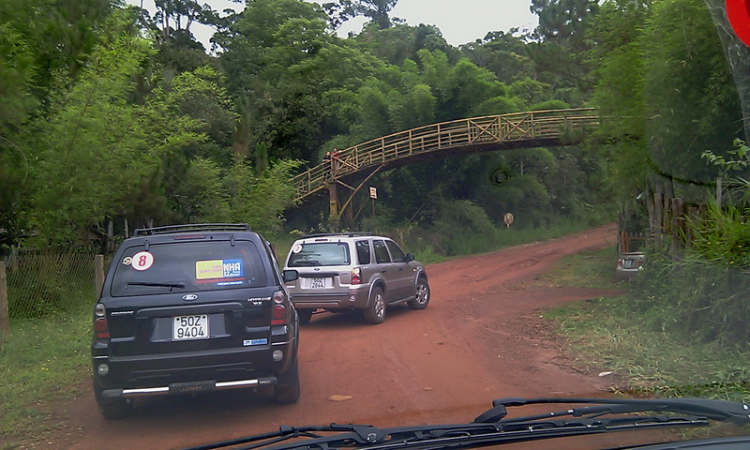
<point x="186" y="267"/>
<point x="319" y="254"/>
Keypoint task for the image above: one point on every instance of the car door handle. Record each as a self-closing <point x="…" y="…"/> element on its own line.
<point x="383" y="271"/>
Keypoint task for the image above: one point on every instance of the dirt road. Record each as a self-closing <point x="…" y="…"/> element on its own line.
<point x="481" y="338"/>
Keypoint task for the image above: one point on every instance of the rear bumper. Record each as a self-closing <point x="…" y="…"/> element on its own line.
<point x="187" y="388"/>
<point x="195" y="371"/>
<point x="353" y="298"/>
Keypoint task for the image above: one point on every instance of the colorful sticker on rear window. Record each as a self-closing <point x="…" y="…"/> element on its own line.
<point x="142" y="261"/>
<point x="224" y="272"/>
<point x="297" y="248"/>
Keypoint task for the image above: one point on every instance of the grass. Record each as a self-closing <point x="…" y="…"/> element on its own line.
<point x="41" y="363"/>
<point x="590" y="269"/>
<point x="604" y="335"/>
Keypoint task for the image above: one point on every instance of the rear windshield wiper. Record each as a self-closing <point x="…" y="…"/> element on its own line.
<point x="156" y="284"/>
<point x="492" y="428"/>
<point x="305" y="263"/>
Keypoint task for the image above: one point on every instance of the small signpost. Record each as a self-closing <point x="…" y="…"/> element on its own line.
<point x="508" y="219"/>
<point x="373" y="196"/>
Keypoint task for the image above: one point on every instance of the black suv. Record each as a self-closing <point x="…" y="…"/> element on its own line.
<point x="193" y="308"/>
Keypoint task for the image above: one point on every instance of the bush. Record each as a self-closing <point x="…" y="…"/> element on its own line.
<point x="701" y="292"/>
<point x="464" y="228"/>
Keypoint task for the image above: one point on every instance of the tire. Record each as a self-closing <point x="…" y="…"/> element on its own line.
<point x="375" y="312"/>
<point x="304" y="316"/>
<point x="112" y="408"/>
<point x="288" y="389"/>
<point x="423" y="295"/>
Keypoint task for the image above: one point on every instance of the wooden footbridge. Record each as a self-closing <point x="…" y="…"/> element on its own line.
<point x="355" y="165"/>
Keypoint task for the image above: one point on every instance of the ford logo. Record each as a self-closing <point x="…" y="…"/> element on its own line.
<point x="189" y="297"/>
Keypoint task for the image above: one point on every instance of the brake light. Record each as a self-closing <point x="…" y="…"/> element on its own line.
<point x="279" y="313"/>
<point x="101" y="328"/>
<point x="356" y="276"/>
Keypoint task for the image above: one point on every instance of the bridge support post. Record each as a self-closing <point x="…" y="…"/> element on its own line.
<point x="333" y="205"/>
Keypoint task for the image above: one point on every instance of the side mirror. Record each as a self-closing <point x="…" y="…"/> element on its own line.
<point x="410" y="257"/>
<point x="290" y="275"/>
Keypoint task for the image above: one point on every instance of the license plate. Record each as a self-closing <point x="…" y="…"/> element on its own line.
<point x="317" y="283"/>
<point x="628" y="263"/>
<point x="190" y="327"/>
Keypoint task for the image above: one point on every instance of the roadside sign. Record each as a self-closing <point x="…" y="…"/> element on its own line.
<point x="373" y="193"/>
<point x="508" y="219"/>
<point x="738" y="13"/>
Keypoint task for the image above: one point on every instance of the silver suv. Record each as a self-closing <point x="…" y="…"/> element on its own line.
<point x="341" y="272"/>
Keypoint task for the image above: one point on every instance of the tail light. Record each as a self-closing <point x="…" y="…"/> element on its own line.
<point x="101" y="328"/>
<point x="280" y="312"/>
<point x="356" y="276"/>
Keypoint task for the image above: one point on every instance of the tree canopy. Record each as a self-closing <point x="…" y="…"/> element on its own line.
<point x="115" y="117"/>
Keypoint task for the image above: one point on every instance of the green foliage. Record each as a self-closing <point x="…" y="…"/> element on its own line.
<point x="376" y="10"/>
<point x="260" y="200"/>
<point x="531" y="91"/>
<point x="699" y="108"/>
<point x="464" y="228"/>
<point x="738" y="159"/>
<point x="702" y="293"/>
<point x="91" y="127"/>
<point x="619" y="335"/>
<point x="16" y="74"/>
<point x="502" y="53"/>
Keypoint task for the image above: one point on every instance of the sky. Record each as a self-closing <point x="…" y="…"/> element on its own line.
<point x="460" y="21"/>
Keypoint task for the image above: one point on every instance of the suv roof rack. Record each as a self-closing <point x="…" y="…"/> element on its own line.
<point x="192" y="227"/>
<point x="345" y="234"/>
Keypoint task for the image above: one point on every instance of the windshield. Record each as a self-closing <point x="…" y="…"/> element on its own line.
<point x="467" y="201"/>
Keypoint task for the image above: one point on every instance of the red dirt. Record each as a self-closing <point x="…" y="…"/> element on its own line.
<point x="482" y="337"/>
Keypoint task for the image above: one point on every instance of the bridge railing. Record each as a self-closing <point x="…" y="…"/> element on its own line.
<point x="522" y="126"/>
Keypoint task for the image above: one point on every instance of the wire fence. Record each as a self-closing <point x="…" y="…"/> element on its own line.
<point x="42" y="284"/>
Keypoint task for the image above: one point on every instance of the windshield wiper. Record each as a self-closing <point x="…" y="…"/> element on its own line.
<point x="156" y="284"/>
<point x="492" y="428"/>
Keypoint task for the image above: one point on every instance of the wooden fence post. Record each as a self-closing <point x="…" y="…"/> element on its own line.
<point x="99" y="275"/>
<point x="4" y="314"/>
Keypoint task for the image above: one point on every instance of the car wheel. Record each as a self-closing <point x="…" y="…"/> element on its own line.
<point x="112" y="408"/>
<point x="375" y="312"/>
<point x="423" y="295"/>
<point x="304" y="316"/>
<point x="288" y="389"/>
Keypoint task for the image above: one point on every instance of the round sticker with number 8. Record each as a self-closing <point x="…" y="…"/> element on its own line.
<point x="142" y="260"/>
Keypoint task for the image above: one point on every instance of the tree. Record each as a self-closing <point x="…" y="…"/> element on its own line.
<point x="503" y="53"/>
<point x="559" y="55"/>
<point x="619" y="92"/>
<point x="698" y="109"/>
<point x="272" y="58"/>
<point x="376" y="10"/>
